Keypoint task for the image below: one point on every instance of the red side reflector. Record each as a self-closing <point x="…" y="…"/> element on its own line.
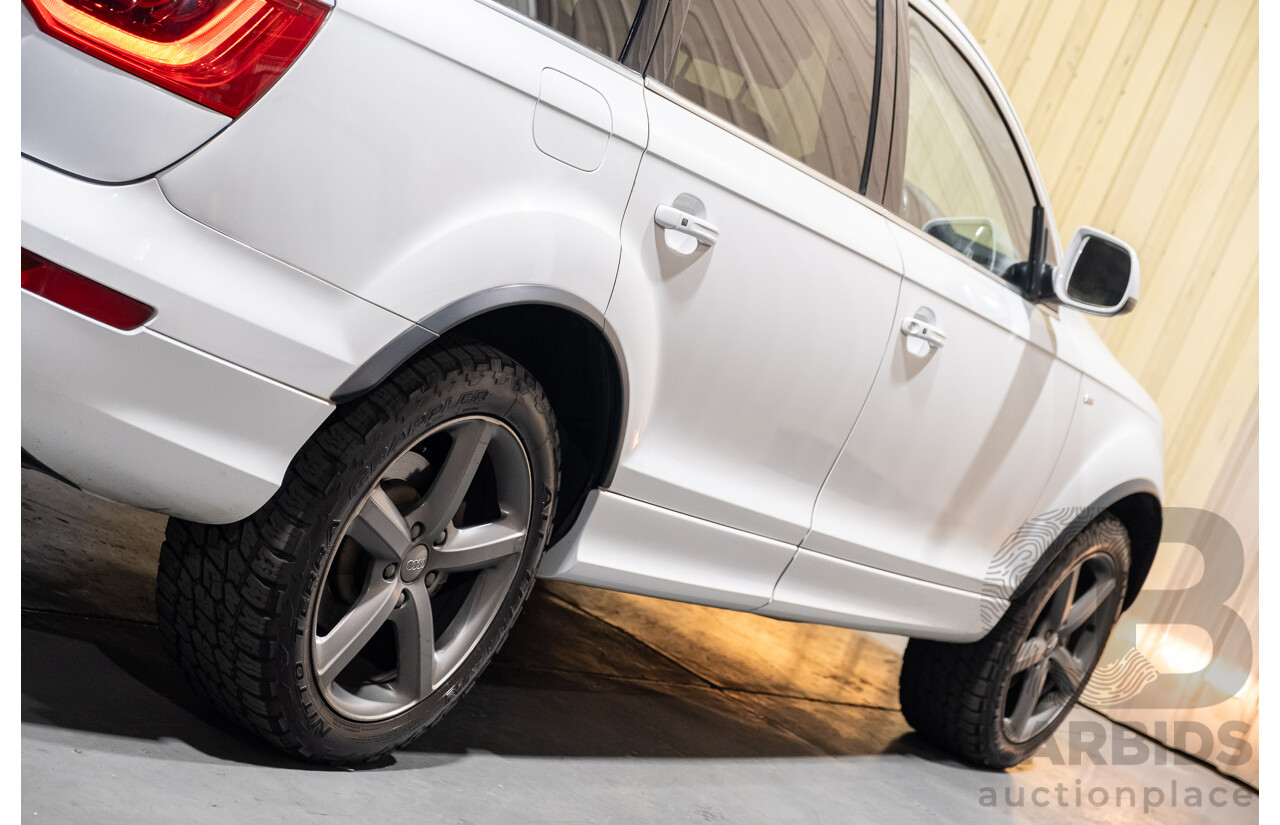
<point x="79" y="294"/>
<point x="223" y="54"/>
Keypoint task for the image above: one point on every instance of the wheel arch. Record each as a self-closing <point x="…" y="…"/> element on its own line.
<point x="1143" y="517"/>
<point x="1137" y="506"/>
<point x="563" y="340"/>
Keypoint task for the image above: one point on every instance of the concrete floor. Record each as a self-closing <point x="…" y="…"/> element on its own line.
<point x="601" y="708"/>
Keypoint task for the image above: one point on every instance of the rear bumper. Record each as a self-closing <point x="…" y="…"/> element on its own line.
<point x="198" y="413"/>
<point x="146" y="420"/>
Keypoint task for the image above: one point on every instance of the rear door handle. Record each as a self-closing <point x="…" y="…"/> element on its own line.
<point x="916" y="327"/>
<point x="668" y="217"/>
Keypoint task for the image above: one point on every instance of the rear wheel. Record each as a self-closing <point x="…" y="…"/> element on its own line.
<point x="357" y="606"/>
<point x="995" y="701"/>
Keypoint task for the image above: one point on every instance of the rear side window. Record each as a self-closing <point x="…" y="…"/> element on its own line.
<point x="601" y="25"/>
<point x="797" y="74"/>
<point x="963" y="181"/>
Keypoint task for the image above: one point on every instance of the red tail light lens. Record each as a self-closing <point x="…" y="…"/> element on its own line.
<point x="79" y="294"/>
<point x="220" y="53"/>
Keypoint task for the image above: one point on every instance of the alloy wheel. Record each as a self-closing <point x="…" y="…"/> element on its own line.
<point x="421" y="568"/>
<point x="1065" y="643"/>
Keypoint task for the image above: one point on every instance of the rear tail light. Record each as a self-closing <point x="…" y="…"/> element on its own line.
<point x="79" y="294"/>
<point x="220" y="53"/>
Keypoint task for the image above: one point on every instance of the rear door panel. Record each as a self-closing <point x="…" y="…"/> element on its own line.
<point x="750" y="359"/>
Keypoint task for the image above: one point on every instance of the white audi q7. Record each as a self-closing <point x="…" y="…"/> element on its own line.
<point x="394" y="306"/>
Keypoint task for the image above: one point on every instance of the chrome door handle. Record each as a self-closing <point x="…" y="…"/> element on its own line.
<point x="668" y="217"/>
<point x="916" y="327"/>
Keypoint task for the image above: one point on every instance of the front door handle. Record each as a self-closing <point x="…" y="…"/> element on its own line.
<point x="669" y="217"/>
<point x="917" y="327"/>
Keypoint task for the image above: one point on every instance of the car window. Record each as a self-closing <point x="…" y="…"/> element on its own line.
<point x="601" y="25"/>
<point x="797" y="74"/>
<point x="963" y="181"/>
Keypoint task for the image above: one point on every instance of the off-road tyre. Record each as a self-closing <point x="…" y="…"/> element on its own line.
<point x="235" y="600"/>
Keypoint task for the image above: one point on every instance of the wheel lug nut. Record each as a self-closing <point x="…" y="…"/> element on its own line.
<point x="429" y="579"/>
<point x="403" y="597"/>
<point x="389" y="572"/>
<point x="440" y="539"/>
<point x="415" y="531"/>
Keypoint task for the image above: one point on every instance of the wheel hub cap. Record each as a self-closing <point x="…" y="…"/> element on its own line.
<point x="414" y="564"/>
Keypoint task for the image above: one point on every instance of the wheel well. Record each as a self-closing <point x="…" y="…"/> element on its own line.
<point x="1141" y="515"/>
<point x="577" y="366"/>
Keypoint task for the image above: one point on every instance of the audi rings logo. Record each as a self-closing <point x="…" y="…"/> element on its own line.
<point x="415" y="565"/>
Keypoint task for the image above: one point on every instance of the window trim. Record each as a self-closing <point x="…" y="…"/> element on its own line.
<point x="633" y="30"/>
<point x="877" y="80"/>
<point x="645" y="34"/>
<point x="880" y="169"/>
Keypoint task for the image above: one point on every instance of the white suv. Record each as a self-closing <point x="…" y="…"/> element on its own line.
<point x="393" y="306"/>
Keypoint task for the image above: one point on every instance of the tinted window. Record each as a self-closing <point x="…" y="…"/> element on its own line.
<point x="963" y="180"/>
<point x="598" y="24"/>
<point x="794" y="73"/>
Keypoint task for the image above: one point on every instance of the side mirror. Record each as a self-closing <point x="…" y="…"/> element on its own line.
<point x="1099" y="274"/>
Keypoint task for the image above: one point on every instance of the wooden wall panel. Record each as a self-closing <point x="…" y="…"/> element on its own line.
<point x="1144" y="118"/>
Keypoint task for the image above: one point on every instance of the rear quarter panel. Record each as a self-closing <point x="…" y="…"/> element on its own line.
<point x="397" y="160"/>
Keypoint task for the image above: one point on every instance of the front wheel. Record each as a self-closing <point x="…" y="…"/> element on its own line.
<point x="995" y="701"/>
<point x="357" y="606"/>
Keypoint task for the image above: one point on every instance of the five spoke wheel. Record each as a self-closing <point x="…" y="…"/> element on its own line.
<point x="1065" y="640"/>
<point x="421" y="568"/>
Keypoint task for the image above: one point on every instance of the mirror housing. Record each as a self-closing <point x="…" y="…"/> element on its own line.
<point x="1098" y="275"/>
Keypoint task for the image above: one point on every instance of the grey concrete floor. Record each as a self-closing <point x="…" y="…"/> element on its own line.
<point x="601" y="708"/>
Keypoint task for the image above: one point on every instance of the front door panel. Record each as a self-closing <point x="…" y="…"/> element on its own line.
<point x="956" y="442"/>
